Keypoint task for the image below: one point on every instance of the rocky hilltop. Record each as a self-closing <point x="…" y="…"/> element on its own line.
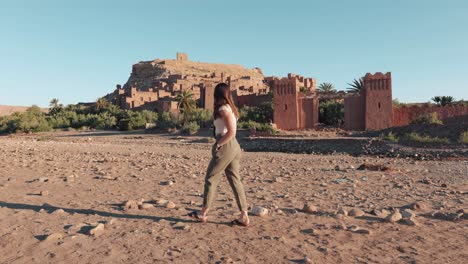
<point x="146" y="73"/>
<point x="154" y="85"/>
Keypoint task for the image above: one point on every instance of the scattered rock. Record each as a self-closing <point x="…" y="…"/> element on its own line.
<point x="356" y="212"/>
<point x="167" y="183"/>
<point x="393" y="217"/>
<point x="146" y="206"/>
<point x="97" y="230"/>
<point x="310" y="209"/>
<point x="382" y="213"/>
<point x="342" y="212"/>
<point x="226" y="260"/>
<point x="59" y="211"/>
<point x="132" y="204"/>
<point x="43" y="179"/>
<point x="259" y="211"/>
<point x="419" y="206"/>
<point x="161" y="202"/>
<point x="170" y="205"/>
<point x="54" y="237"/>
<point x="44" y="193"/>
<point x="407" y="214"/>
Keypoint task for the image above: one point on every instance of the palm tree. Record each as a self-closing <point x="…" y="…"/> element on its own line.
<point x="186" y="101"/>
<point x="437" y="99"/>
<point x="446" y="100"/>
<point x="356" y="86"/>
<point x="101" y="104"/>
<point x="326" y="88"/>
<point x="54" y="103"/>
<point x="443" y="100"/>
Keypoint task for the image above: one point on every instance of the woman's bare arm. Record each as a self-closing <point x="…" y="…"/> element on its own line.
<point x="230" y="122"/>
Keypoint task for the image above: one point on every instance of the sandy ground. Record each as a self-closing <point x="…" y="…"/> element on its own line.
<point x="55" y="189"/>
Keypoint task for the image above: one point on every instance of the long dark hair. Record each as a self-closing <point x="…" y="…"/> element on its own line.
<point x="222" y="96"/>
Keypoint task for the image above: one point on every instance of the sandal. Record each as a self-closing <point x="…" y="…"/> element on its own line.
<point x="195" y="215"/>
<point x="238" y="223"/>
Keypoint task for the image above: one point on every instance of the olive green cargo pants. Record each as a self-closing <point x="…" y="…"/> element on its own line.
<point x="225" y="159"/>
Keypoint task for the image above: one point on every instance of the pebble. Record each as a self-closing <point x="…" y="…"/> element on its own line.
<point x="167" y="183"/>
<point x="382" y="213"/>
<point x="54" y="237"/>
<point x="161" y="202"/>
<point x="59" y="211"/>
<point x="310" y="209"/>
<point x="393" y="217"/>
<point x="419" y="206"/>
<point x="170" y="205"/>
<point x="146" y="206"/>
<point x="259" y="211"/>
<point x="342" y="212"/>
<point x="356" y="212"/>
<point x="407" y="214"/>
<point x="132" y="204"/>
<point x="44" y="193"/>
<point x="97" y="230"/>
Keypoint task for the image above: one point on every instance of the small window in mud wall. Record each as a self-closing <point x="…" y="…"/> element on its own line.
<point x="379" y="105"/>
<point x="285" y="107"/>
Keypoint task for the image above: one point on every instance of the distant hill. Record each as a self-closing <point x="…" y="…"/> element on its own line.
<point x="10" y="109"/>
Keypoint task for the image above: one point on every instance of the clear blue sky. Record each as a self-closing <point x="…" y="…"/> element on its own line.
<point x="78" y="50"/>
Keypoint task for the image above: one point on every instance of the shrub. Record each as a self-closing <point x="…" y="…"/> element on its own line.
<point x="331" y="113"/>
<point x="203" y="117"/>
<point x="415" y="137"/>
<point x="133" y="121"/>
<point x="257" y="126"/>
<point x="390" y="137"/>
<point x="33" y="120"/>
<point x="430" y="118"/>
<point x="190" y="128"/>
<point x="463" y="138"/>
<point x="260" y="114"/>
<point x="169" y="120"/>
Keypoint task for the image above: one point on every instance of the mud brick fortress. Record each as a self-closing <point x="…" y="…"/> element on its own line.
<point x="295" y="102"/>
<point x="154" y="85"/>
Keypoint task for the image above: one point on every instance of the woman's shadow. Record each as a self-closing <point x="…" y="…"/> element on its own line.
<point x="50" y="208"/>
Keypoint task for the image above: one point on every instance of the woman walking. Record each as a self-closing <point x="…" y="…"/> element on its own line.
<point x="225" y="157"/>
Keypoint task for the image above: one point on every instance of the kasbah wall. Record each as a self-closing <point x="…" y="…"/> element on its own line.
<point x="449" y="114"/>
<point x="294" y="109"/>
<point x="372" y="108"/>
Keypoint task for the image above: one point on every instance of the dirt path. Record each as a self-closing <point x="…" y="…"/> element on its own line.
<point x="54" y="190"/>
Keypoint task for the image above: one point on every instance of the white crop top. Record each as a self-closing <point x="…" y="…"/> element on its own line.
<point x="220" y="126"/>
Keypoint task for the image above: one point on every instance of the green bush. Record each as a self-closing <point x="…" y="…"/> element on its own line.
<point x="262" y="127"/>
<point x="390" y="137"/>
<point x="260" y="114"/>
<point x="430" y="118"/>
<point x="203" y="117"/>
<point x="33" y="120"/>
<point x="415" y="137"/>
<point x="190" y="128"/>
<point x="463" y="138"/>
<point x="331" y="113"/>
<point x="169" y="120"/>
